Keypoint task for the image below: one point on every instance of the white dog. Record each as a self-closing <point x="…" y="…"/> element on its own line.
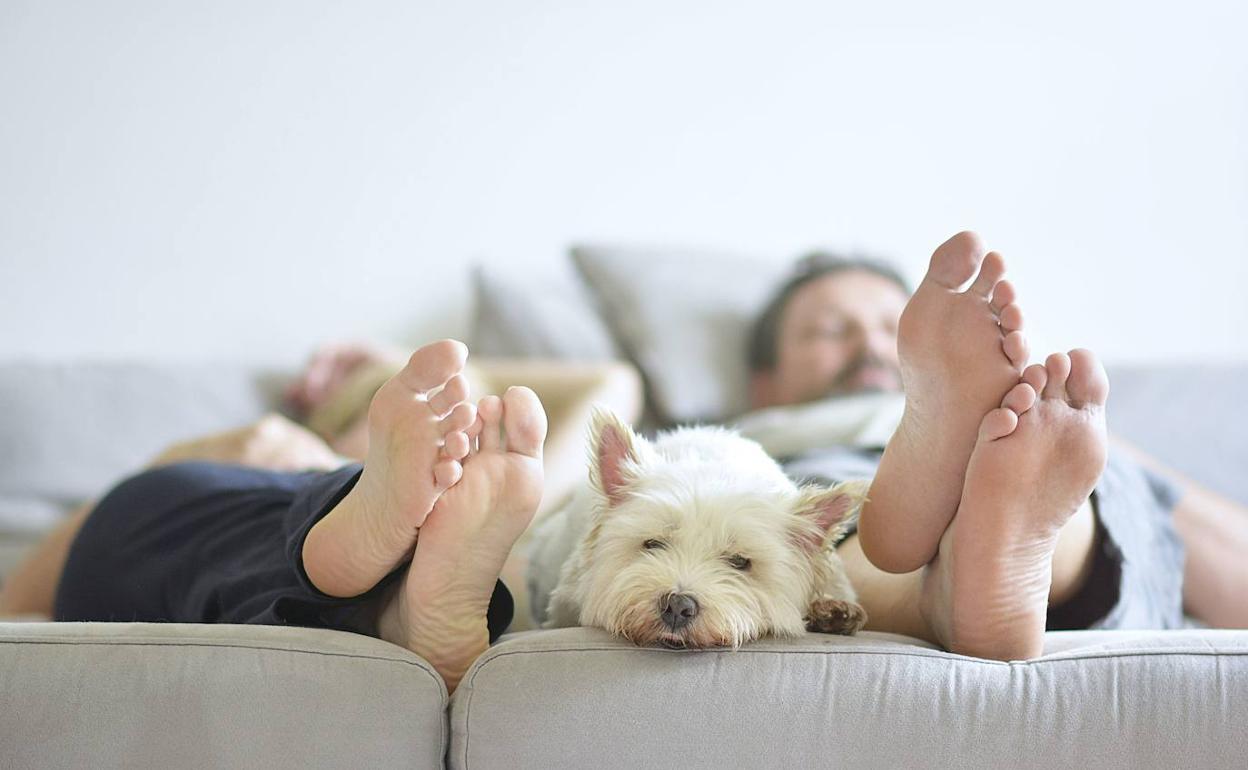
<point x="695" y="540"/>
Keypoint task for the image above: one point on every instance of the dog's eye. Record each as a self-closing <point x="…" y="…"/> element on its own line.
<point x="652" y="544"/>
<point x="739" y="562"/>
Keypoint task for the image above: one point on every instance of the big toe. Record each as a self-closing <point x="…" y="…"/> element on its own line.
<point x="1087" y="383"/>
<point x="956" y="260"/>
<point x="524" y="421"/>
<point x="433" y="365"/>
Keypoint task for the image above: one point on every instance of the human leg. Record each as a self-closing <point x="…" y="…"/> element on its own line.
<point x="440" y="611"/>
<point x="31" y="588"/>
<point x="892" y="600"/>
<point x="272" y="443"/>
<point x="960" y="352"/>
<point x="1024" y="534"/>
<point x="416" y="425"/>
<point x="986" y="593"/>
<point x="1214" y="531"/>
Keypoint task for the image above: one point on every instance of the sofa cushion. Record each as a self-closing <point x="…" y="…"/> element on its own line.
<point x="70" y="430"/>
<point x="581" y="698"/>
<point x="1189" y="417"/>
<point x="174" y="695"/>
<point x="537" y="314"/>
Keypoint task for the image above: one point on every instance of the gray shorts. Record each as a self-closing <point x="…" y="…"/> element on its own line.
<point x="1137" y="575"/>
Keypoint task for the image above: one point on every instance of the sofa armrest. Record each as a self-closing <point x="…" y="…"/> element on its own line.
<point x="180" y="695"/>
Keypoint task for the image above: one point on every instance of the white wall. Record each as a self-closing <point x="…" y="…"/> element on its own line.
<point x="241" y="180"/>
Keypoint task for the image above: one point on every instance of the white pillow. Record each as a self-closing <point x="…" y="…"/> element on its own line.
<point x="683" y="317"/>
<point x="542" y="314"/>
<point x="69" y="431"/>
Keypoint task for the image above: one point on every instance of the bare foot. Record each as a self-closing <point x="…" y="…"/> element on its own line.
<point x="1036" y="461"/>
<point x="440" y="611"/>
<point x="960" y="352"/>
<point x="416" y="424"/>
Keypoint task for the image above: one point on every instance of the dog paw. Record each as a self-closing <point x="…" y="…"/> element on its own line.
<point x="833" y="616"/>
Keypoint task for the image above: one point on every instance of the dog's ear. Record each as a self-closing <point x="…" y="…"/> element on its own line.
<point x="615" y="454"/>
<point x="824" y="513"/>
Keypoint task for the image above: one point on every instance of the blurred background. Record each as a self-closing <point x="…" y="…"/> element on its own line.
<point x="241" y="181"/>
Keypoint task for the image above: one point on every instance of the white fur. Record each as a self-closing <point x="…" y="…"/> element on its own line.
<point x="708" y="495"/>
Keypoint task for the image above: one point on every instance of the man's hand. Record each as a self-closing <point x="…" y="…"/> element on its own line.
<point x="329" y="368"/>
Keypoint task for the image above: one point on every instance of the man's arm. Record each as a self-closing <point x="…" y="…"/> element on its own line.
<point x="568" y="391"/>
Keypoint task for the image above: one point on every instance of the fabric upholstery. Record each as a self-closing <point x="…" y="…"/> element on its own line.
<point x="579" y="698"/>
<point x="1189" y="417"/>
<point x="187" y="696"/>
<point x="546" y="314"/>
<point x="683" y="317"/>
<point x="70" y="430"/>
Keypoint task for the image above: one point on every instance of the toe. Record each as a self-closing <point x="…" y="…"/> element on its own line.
<point x="524" y="421"/>
<point x="453" y="392"/>
<point x="1036" y="376"/>
<point x="1015" y="347"/>
<point x="1087" y="383"/>
<point x="460" y="419"/>
<point x="446" y="473"/>
<point x="1003" y="294"/>
<point x="1057" y="367"/>
<point x="455" y="445"/>
<point x="474" y="430"/>
<point x="998" y="423"/>
<point x="1020" y="398"/>
<point x="990" y="272"/>
<point x="956" y="260"/>
<point x="490" y="409"/>
<point x="1011" y="318"/>
<point x="433" y="365"/>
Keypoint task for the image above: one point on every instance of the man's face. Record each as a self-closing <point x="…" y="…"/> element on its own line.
<point x="837" y="335"/>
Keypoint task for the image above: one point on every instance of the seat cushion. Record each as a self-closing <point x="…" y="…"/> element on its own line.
<point x="581" y="698"/>
<point x="175" y="695"/>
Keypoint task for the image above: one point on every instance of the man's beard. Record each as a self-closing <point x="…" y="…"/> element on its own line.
<point x="844" y="384"/>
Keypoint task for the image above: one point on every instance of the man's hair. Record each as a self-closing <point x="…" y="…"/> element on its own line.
<point x="765" y="333"/>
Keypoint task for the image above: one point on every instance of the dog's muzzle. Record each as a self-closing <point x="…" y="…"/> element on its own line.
<point x="678" y="610"/>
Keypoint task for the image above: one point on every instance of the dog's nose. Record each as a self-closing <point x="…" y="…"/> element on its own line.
<point x="678" y="610"/>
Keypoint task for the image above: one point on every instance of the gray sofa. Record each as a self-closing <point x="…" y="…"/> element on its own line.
<point x="109" y="695"/>
<point x="144" y="695"/>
